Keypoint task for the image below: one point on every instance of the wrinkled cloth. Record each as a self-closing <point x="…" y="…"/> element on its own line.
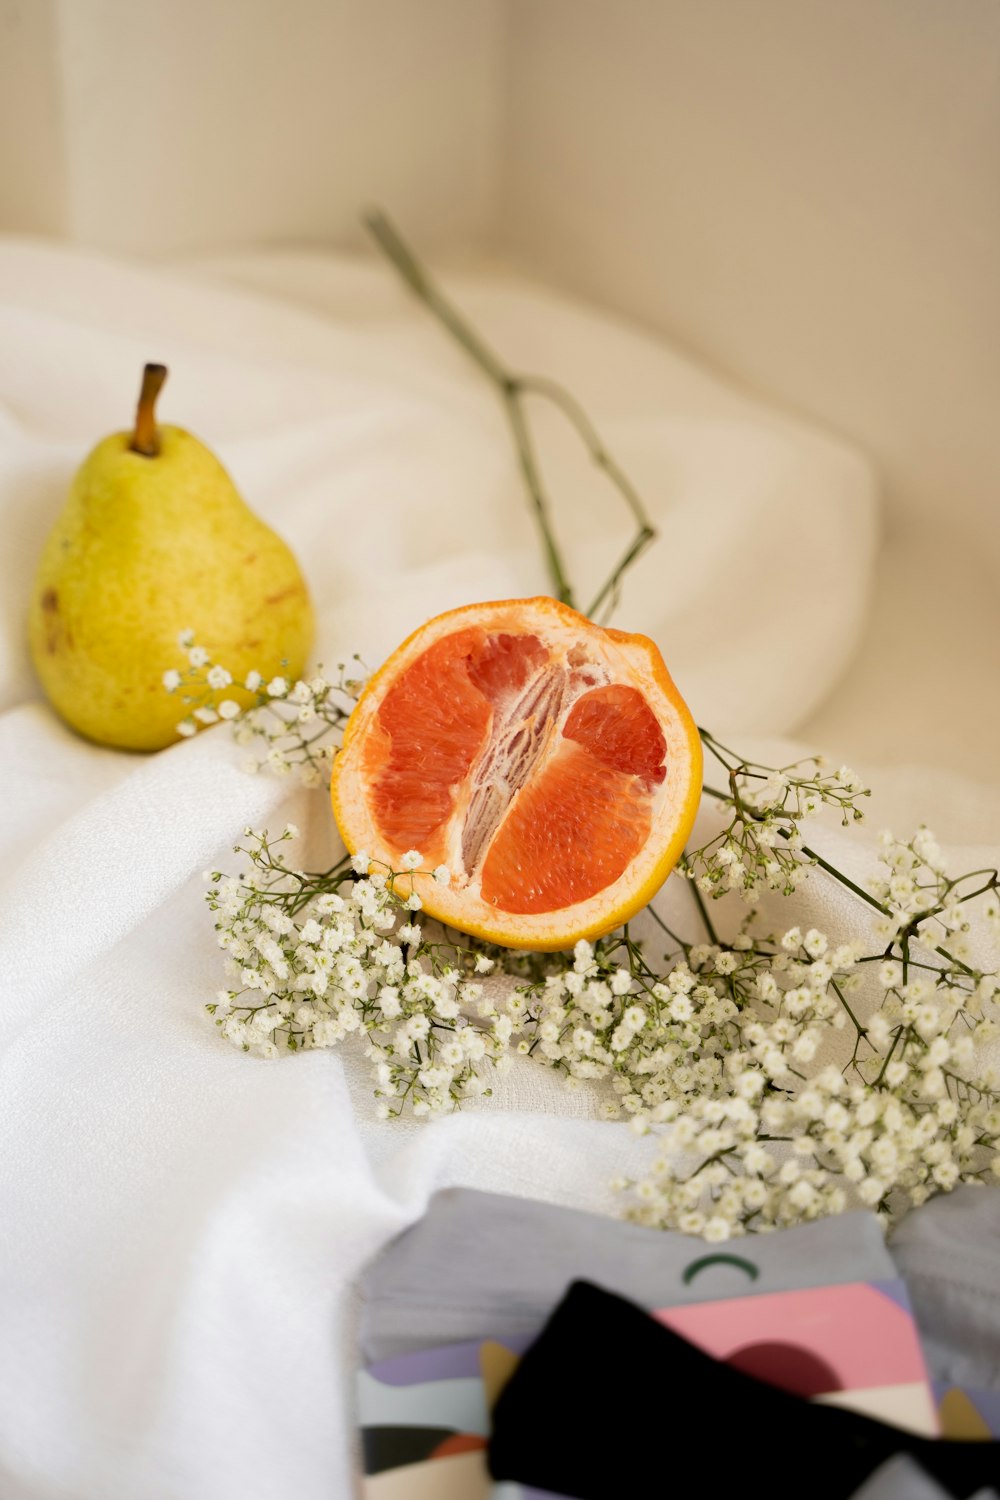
<point x="674" y="1386"/>
<point x="493" y="1265"/>
<point x="949" y="1255"/>
<point x="183" y="1225"/>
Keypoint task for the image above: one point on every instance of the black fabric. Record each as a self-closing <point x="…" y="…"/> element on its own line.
<point x="386" y="1447"/>
<point x="660" y="1404"/>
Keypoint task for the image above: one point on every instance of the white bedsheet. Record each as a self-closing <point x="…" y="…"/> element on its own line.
<point x="180" y="1224"/>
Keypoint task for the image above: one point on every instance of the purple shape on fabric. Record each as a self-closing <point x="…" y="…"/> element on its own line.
<point x="896" y="1292"/>
<point x="450" y="1362"/>
<point x="447" y="1362"/>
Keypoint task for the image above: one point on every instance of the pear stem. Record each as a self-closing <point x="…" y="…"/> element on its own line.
<point x="145" y="438"/>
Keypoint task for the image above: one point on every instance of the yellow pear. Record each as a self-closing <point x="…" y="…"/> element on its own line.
<point x="154" y="539"/>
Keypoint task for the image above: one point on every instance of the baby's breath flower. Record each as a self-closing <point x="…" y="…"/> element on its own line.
<point x="710" y="1050"/>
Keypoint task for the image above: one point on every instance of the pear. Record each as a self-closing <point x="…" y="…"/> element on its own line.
<point x="154" y="540"/>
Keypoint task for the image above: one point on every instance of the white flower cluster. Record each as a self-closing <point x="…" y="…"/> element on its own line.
<point x="920" y="903"/>
<point x="721" y="1058"/>
<point x="736" y="1166"/>
<point x="314" y="960"/>
<point x="774" y="1086"/>
<point x="761" y="847"/>
<point x="781" y="1146"/>
<point x="292" y="725"/>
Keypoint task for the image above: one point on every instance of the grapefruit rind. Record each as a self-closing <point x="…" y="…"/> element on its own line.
<point x="631" y="659"/>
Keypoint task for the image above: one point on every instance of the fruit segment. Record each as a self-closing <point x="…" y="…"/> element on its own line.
<point x="551" y="776"/>
<point x="550" y="764"/>
<point x="619" y="728"/>
<point x="430" y="728"/>
<point x="572" y="831"/>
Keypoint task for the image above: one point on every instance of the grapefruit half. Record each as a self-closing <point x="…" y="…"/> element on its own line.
<point x="550" y="764"/>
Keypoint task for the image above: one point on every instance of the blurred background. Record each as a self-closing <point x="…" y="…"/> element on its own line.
<point x="803" y="194"/>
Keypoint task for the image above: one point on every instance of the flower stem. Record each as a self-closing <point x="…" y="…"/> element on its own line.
<point x="533" y="484"/>
<point x="399" y="253"/>
<point x="669" y="931"/>
<point x="703" y="910"/>
<point x="735" y="800"/>
<point x="861" y="1030"/>
<point x="844" y="880"/>
<point x="551" y="390"/>
<point x="512" y="388"/>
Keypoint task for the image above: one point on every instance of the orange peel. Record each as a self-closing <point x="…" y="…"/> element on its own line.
<point x="549" y="763"/>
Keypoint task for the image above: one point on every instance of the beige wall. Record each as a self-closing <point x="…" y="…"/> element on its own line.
<point x="32" y="156"/>
<point x="140" y="125"/>
<point x="805" y="191"/>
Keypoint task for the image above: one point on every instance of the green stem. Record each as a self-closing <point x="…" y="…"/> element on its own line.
<point x="670" y="933"/>
<point x="611" y="588"/>
<point x="714" y="745"/>
<point x="878" y="958"/>
<point x="533" y="484"/>
<point x="845" y="880"/>
<point x="551" y="390"/>
<point x="716" y="1156"/>
<point x="512" y="388"/>
<point x="703" y="910"/>
<point x="971" y="874"/>
<point x="396" y="250"/>
<point x="956" y="961"/>
<point x="888" y="1056"/>
<point x="861" y="1030"/>
<point x="990" y="885"/>
<point x="399" y="253"/>
<point x="733" y="799"/>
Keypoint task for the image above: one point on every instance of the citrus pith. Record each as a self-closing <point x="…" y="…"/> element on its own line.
<point x="549" y="763"/>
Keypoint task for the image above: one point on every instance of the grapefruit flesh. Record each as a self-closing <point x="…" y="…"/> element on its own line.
<point x="550" y="764"/>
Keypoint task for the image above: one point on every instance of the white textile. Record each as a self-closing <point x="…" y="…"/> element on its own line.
<point x="182" y="1224"/>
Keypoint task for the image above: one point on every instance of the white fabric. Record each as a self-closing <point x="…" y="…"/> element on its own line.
<point x="182" y="1224"/>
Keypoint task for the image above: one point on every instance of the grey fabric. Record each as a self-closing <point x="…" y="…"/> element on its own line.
<point x="948" y="1253"/>
<point x="480" y="1264"/>
<point x="902" y="1479"/>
